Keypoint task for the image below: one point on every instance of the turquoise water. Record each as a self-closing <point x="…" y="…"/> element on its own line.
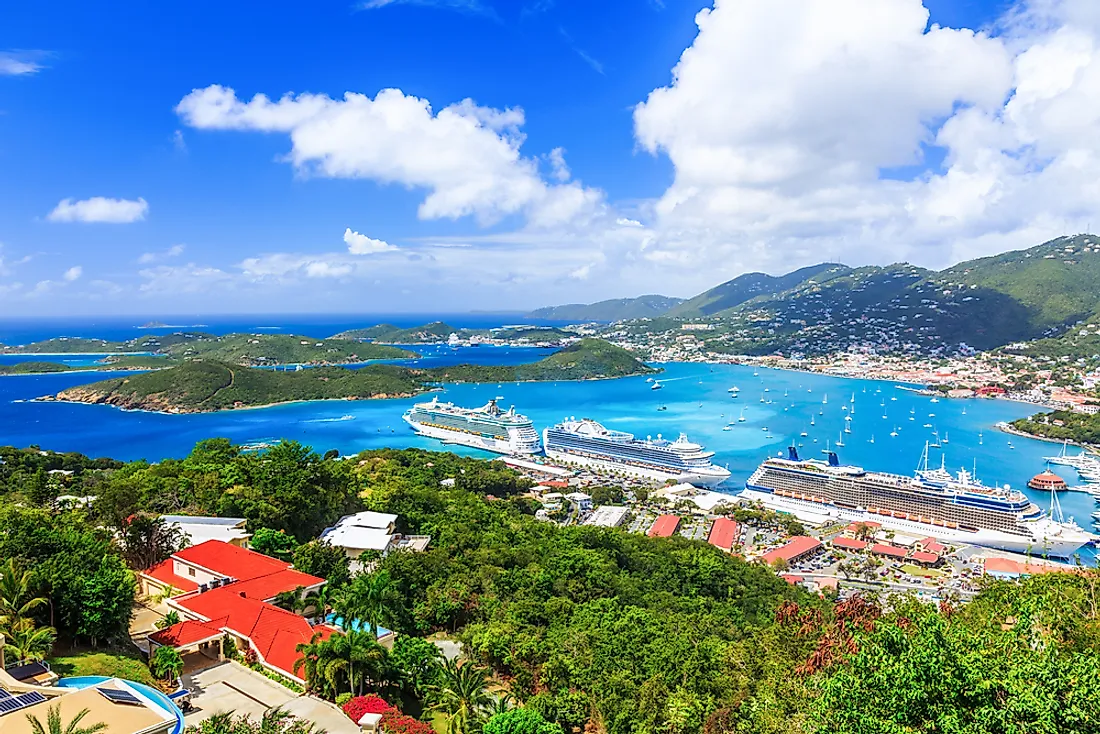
<point x="162" y="701"/>
<point x="694" y="395"/>
<point x="355" y="625"/>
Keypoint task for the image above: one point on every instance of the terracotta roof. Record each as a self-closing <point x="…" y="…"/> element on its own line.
<point x="933" y="546"/>
<point x="849" y="543"/>
<point x="888" y="550"/>
<point x="799" y="545"/>
<point x="1007" y="565"/>
<point x="791" y="578"/>
<point x="163" y="572"/>
<point x="185" y="633"/>
<point x="924" y="557"/>
<point x="723" y="533"/>
<point x="230" y="560"/>
<point x="664" y="526"/>
<point x="267" y="587"/>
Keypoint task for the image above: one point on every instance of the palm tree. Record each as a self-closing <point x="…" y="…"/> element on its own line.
<point x="369" y="600"/>
<point x="315" y="660"/>
<point x="319" y="600"/>
<point x="166" y="663"/>
<point x="53" y="723"/>
<point x="462" y="694"/>
<point x="27" y="642"/>
<point x="168" y="620"/>
<point x="365" y="660"/>
<point x="16" y="599"/>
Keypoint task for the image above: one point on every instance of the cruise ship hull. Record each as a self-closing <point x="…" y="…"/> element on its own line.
<point x="699" y="478"/>
<point x="815" y="512"/>
<point x="462" y="438"/>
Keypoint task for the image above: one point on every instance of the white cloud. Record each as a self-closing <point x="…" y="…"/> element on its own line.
<point x="476" y="7"/>
<point x="73" y="273"/>
<point x="175" y="279"/>
<point x="151" y="257"/>
<point x="178" y="141"/>
<point x="21" y="63"/>
<point x="466" y="156"/>
<point x="100" y="209"/>
<point x="360" y="244"/>
<point x="558" y="167"/>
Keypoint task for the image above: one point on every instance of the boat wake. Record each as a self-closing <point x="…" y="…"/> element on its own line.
<point x="331" y="420"/>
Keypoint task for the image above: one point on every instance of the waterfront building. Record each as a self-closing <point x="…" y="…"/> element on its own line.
<point x="664" y="526"/>
<point x="796" y="549"/>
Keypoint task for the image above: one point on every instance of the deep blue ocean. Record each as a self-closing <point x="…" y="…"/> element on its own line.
<point x="694" y="396"/>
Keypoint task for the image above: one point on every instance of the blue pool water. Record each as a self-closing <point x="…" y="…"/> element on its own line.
<point x="355" y="625"/>
<point x="159" y="699"/>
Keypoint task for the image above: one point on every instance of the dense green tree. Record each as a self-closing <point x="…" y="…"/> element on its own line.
<point x="418" y="660"/>
<point x="166" y="663"/>
<point x="520" y="721"/>
<point x="17" y="600"/>
<point x="27" y="642"/>
<point x="147" y="540"/>
<point x="274" y="543"/>
<point x="370" y="600"/>
<point x="323" y="559"/>
<point x="461" y="693"/>
<point x="275" y="721"/>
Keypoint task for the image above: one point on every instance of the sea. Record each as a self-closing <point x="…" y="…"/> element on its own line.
<point x="890" y="423"/>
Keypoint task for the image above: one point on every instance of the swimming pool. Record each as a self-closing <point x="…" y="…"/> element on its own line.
<point x="159" y="699"/>
<point x="355" y="625"/>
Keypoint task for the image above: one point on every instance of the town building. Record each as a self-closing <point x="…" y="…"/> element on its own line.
<point x="124" y="707"/>
<point x="608" y="516"/>
<point x="664" y="526"/>
<point x="580" y="500"/>
<point x="849" y="544"/>
<point x="724" y="534"/>
<point x="799" y="548"/>
<point x="363" y="531"/>
<point x="890" y="551"/>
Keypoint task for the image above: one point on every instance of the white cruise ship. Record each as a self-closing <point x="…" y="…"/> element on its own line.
<point x="958" y="509"/>
<point x="587" y="443"/>
<point x="487" y="427"/>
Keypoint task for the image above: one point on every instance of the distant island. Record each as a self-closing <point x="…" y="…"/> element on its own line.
<point x="109" y="363"/>
<point x="437" y="331"/>
<point x="615" y="309"/>
<point x="241" y="349"/>
<point x="206" y="385"/>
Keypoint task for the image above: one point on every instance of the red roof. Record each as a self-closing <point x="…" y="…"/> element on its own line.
<point x="854" y="527"/>
<point x="791" y="578"/>
<point x="185" y="633"/>
<point x="268" y="587"/>
<point x="923" y="557"/>
<point x="1007" y="565"/>
<point x="555" y="483"/>
<point x="723" y="534"/>
<point x="230" y="560"/>
<point x="849" y="543"/>
<point x="798" y="546"/>
<point x="163" y="572"/>
<point x="888" y="550"/>
<point x="933" y="546"/>
<point x="274" y="632"/>
<point x="664" y="526"/>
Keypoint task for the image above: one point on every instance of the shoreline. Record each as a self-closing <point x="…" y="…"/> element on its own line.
<point x="1009" y="429"/>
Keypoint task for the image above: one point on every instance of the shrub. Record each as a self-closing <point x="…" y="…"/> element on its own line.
<point x="342" y="699"/>
<point x="521" y="721"/>
<point x="166" y="663"/>
<point x="369" y="704"/>
<point x="395" y="722"/>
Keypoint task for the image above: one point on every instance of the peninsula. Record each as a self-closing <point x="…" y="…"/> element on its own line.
<point x="205" y="385"/>
<point x="251" y="350"/>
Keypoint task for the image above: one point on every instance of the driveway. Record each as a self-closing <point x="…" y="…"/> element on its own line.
<point x="232" y="687"/>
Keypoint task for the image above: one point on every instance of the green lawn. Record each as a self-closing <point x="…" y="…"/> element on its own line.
<point x="913" y="570"/>
<point x="115" y="663"/>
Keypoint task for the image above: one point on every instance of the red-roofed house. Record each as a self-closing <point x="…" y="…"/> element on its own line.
<point x="724" y="534"/>
<point x="863" y="525"/>
<point x="664" y="526"/>
<point x="222" y="589"/>
<point x="849" y="544"/>
<point x="925" y="558"/>
<point x="1008" y="568"/>
<point x="881" y="549"/>
<point x="932" y="546"/>
<point x="799" y="547"/>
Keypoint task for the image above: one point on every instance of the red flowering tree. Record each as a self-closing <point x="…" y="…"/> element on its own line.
<point x="370" y="704"/>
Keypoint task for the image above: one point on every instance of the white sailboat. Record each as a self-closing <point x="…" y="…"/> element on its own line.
<point x="741" y="418"/>
<point x="840" y="441"/>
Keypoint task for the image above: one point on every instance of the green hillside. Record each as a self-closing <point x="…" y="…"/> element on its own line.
<point x="436" y="331"/>
<point x="269" y="349"/>
<point x="587" y="359"/>
<point x="199" y="386"/>
<point x="70" y="345"/>
<point x="733" y="293"/>
<point x="615" y="309"/>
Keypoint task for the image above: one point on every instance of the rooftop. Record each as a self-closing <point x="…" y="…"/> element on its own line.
<point x="888" y="550"/>
<point x="201" y="529"/>
<point x="849" y="543"/>
<point x="723" y="533"/>
<point x="798" y="546"/>
<point x="229" y="560"/>
<point x="121" y="718"/>
<point x="664" y="526"/>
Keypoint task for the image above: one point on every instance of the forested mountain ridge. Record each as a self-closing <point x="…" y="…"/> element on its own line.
<point x="729" y="295"/>
<point x="614" y="309"/>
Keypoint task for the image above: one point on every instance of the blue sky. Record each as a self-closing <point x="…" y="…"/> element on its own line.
<point x="235" y="211"/>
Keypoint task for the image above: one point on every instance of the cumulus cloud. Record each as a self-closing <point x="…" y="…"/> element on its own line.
<point x="360" y="244"/>
<point x="100" y="209"/>
<point x="152" y="257"/>
<point x="466" y="156"/>
<point x="189" y="278"/>
<point x="73" y="273"/>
